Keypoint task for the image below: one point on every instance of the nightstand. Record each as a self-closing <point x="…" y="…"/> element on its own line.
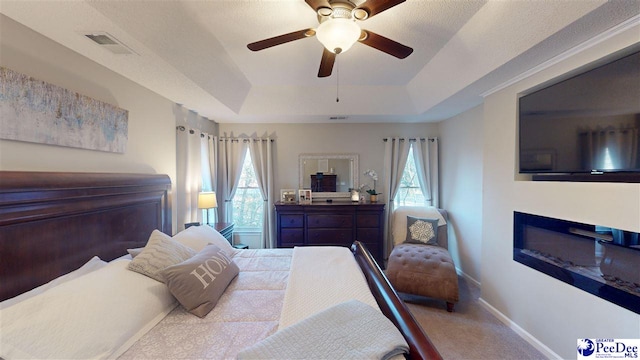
<point x="226" y="230"/>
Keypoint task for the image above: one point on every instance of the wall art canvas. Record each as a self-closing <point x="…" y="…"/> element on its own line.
<point x="39" y="112"/>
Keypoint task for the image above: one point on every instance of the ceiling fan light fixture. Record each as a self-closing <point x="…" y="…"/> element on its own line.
<point x="325" y="11"/>
<point x="360" y="14"/>
<point x="338" y="35"/>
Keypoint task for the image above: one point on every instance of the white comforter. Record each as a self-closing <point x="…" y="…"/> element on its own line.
<point x="322" y="277"/>
<point x="275" y="289"/>
<point x="349" y="330"/>
<point x="248" y="312"/>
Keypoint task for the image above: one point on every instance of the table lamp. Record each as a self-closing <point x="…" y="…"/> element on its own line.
<point x="207" y="200"/>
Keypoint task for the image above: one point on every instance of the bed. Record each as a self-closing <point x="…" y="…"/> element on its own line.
<point x="52" y="223"/>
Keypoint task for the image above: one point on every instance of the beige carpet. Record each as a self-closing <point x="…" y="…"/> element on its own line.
<point x="470" y="332"/>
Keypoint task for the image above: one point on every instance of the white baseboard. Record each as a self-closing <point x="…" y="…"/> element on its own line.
<point x="520" y="331"/>
<point x="468" y="278"/>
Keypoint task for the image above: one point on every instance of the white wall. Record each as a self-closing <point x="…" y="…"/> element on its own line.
<point x="553" y="312"/>
<point x="461" y="183"/>
<point x="151" y="137"/>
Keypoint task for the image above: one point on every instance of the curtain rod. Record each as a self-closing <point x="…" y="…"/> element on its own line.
<point x="191" y="131"/>
<point x="411" y="139"/>
<point x="245" y="139"/>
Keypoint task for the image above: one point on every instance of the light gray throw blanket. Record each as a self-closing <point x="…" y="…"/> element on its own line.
<point x="349" y="330"/>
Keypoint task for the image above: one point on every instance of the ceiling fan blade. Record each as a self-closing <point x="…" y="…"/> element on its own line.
<point x="281" y="39"/>
<point x="318" y="4"/>
<point x="326" y="64"/>
<point x="373" y="7"/>
<point x="385" y="45"/>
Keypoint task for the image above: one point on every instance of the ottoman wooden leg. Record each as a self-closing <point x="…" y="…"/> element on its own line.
<point x="450" y="306"/>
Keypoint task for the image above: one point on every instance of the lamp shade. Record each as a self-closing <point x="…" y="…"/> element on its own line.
<point x="207" y="200"/>
<point x="337" y="35"/>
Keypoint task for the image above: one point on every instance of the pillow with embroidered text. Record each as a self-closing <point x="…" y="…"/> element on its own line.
<point x="199" y="282"/>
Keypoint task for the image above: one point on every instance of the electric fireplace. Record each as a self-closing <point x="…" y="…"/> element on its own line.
<point x="600" y="260"/>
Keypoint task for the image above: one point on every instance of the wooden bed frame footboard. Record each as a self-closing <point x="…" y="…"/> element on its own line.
<point x="393" y="307"/>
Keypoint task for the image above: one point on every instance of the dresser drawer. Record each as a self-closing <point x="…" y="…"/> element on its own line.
<point x="329" y="237"/>
<point x="329" y="221"/>
<point x="292" y="221"/>
<point x="368" y="235"/>
<point x="291" y="237"/>
<point x="367" y="220"/>
<point x="331" y="224"/>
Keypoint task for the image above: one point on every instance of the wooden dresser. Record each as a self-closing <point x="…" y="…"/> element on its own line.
<point x="337" y="223"/>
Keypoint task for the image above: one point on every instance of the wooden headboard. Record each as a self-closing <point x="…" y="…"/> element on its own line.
<point x="52" y="223"/>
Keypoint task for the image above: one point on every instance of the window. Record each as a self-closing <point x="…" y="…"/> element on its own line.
<point x="247" y="201"/>
<point x="409" y="192"/>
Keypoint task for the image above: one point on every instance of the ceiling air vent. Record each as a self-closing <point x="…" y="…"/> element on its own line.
<point x="338" y="117"/>
<point x="107" y="41"/>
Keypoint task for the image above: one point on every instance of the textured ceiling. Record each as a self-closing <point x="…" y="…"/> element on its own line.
<point x="194" y="52"/>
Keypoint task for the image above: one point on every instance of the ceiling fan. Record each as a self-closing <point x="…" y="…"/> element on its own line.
<point x="338" y="30"/>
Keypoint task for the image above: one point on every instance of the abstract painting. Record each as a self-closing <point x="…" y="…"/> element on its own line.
<point x="39" y="112"/>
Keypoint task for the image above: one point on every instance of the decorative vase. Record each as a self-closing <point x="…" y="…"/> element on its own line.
<point x="355" y="195"/>
<point x="373" y="198"/>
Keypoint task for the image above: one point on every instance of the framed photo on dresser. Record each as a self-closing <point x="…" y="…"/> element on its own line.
<point x="288" y="196"/>
<point x="304" y="196"/>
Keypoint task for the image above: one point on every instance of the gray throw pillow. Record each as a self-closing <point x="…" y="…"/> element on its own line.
<point x="161" y="251"/>
<point x="422" y="231"/>
<point x="199" y="282"/>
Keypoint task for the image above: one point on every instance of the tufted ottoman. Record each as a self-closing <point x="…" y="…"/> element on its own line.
<point x="425" y="270"/>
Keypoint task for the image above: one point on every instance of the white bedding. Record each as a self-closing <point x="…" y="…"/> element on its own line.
<point x="247" y="313"/>
<point x="95" y="316"/>
<point x="275" y="288"/>
<point x="264" y="296"/>
<point x="349" y="330"/>
<point x="321" y="277"/>
<point x="93" y="264"/>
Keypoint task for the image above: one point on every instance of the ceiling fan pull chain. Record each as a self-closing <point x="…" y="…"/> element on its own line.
<point x="337" y="80"/>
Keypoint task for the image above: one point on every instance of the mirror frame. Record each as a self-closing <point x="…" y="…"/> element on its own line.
<point x="327" y="195"/>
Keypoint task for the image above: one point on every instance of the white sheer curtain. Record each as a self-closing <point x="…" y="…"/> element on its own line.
<point x="189" y="177"/>
<point x="425" y="154"/>
<point x="261" y="154"/>
<point x="231" y="153"/>
<point x="396" y="151"/>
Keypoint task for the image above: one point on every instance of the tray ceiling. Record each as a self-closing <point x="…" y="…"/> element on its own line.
<point x="194" y="53"/>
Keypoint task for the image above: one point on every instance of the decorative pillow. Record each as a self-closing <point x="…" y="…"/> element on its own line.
<point x="95" y="316"/>
<point x="135" y="252"/>
<point x="199" y="282"/>
<point x="197" y="237"/>
<point x="93" y="264"/>
<point x="422" y="231"/>
<point x="160" y="252"/>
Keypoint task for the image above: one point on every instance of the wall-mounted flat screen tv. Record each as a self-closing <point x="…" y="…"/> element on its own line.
<point x="586" y="124"/>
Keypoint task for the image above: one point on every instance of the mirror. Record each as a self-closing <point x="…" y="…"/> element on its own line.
<point x="328" y="175"/>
